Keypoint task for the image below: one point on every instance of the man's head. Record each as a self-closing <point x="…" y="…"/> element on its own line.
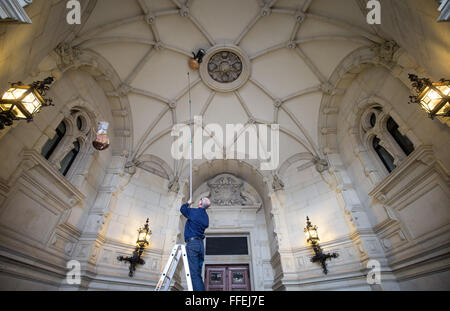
<point x="204" y="203"/>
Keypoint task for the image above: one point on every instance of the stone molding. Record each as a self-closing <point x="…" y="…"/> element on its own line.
<point x="385" y="191"/>
<point x="13" y="11"/>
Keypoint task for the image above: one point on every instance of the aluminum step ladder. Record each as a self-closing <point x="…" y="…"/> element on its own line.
<point x="178" y="251"/>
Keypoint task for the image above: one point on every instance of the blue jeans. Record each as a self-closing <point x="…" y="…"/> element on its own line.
<point x="196" y="256"/>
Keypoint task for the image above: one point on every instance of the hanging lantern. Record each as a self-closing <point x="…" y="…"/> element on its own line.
<point x="23" y="102"/>
<point x="102" y="141"/>
<point x="142" y="242"/>
<point x="144" y="235"/>
<point x="311" y="232"/>
<point x="433" y="97"/>
<point x="313" y="237"/>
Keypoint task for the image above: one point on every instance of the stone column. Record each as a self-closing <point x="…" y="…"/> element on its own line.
<point x="173" y="230"/>
<point x="93" y="237"/>
<point x="283" y="260"/>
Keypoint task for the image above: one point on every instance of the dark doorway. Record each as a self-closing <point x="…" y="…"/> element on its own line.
<point x="227" y="278"/>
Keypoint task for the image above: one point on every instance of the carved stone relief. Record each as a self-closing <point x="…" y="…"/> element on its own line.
<point x="225" y="67"/>
<point x="227" y="190"/>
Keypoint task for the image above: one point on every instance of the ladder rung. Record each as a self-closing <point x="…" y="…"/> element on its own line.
<point x="171" y="266"/>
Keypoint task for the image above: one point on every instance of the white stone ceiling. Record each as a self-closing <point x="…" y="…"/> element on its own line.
<point x="294" y="46"/>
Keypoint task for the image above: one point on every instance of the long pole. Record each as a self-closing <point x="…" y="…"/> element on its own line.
<point x="190" y="146"/>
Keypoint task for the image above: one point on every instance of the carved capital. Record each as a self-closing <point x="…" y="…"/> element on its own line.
<point x="277" y="183"/>
<point x="321" y="165"/>
<point x="174" y="185"/>
<point x="385" y="51"/>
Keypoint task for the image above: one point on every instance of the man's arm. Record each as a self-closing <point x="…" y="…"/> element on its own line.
<point x="185" y="210"/>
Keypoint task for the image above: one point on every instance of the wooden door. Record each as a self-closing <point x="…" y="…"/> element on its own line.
<point x="227" y="278"/>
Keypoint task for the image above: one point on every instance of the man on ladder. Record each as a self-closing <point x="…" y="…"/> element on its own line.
<point x="194" y="234"/>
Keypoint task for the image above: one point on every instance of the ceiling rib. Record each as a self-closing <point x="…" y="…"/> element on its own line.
<point x="118" y="39"/>
<point x="243" y="104"/>
<point x="302" y="129"/>
<point x="150" y="95"/>
<point x="290" y="134"/>
<point x="202" y="29"/>
<point x="262" y="88"/>
<point x="129" y="80"/>
<point x="247" y="29"/>
<point x="144" y="6"/>
<point x="355" y="39"/>
<point x="103" y="28"/>
<point x="208" y="103"/>
<point x="345" y="25"/>
<point x="269" y="50"/>
<point x="307" y="91"/>
<point x="166" y="12"/>
<point x="148" y="131"/>
<point x="177" y="50"/>
<point x="311" y="65"/>
<point x="184" y="91"/>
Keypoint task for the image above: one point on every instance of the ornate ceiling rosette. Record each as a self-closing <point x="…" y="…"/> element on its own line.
<point x="225" y="68"/>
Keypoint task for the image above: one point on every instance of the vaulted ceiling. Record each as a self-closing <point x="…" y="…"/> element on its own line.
<point x="293" y="47"/>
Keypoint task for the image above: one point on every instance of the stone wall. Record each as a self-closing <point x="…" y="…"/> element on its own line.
<point x="409" y="208"/>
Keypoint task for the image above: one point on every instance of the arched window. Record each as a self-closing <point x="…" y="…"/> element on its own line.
<point x="51" y="144"/>
<point x="381" y="134"/>
<point x="385" y="156"/>
<point x="70" y="141"/>
<point x="69" y="159"/>
<point x="403" y="141"/>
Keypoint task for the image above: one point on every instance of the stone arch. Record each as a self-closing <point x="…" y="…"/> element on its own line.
<point x="385" y="55"/>
<point x="155" y="165"/>
<point x="72" y="59"/>
<point x="294" y="159"/>
<point x="262" y="196"/>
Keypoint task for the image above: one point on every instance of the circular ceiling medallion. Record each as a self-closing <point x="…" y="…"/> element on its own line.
<point x="225" y="68"/>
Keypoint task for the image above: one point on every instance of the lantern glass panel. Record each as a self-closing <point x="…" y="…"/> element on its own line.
<point x="143" y="238"/>
<point x="314" y="234"/>
<point x="5" y="107"/>
<point x="311" y="234"/>
<point x="444" y="110"/>
<point x="430" y="100"/>
<point x="18" y="113"/>
<point x="14" y="93"/>
<point x="31" y="103"/>
<point x="445" y="89"/>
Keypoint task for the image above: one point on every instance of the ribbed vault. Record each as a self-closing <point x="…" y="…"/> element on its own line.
<point x="294" y="46"/>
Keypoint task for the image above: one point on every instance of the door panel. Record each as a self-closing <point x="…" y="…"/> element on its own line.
<point x="215" y="279"/>
<point x="227" y="278"/>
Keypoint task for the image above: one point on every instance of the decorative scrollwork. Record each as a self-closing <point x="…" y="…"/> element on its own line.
<point x="225" y="67"/>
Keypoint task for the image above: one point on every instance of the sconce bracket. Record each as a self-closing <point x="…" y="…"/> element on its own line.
<point x="133" y="260"/>
<point x="322" y="258"/>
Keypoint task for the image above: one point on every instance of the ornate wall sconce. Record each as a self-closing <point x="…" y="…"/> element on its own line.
<point x="142" y="242"/>
<point x="433" y="97"/>
<point x="313" y="237"/>
<point x="22" y="102"/>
